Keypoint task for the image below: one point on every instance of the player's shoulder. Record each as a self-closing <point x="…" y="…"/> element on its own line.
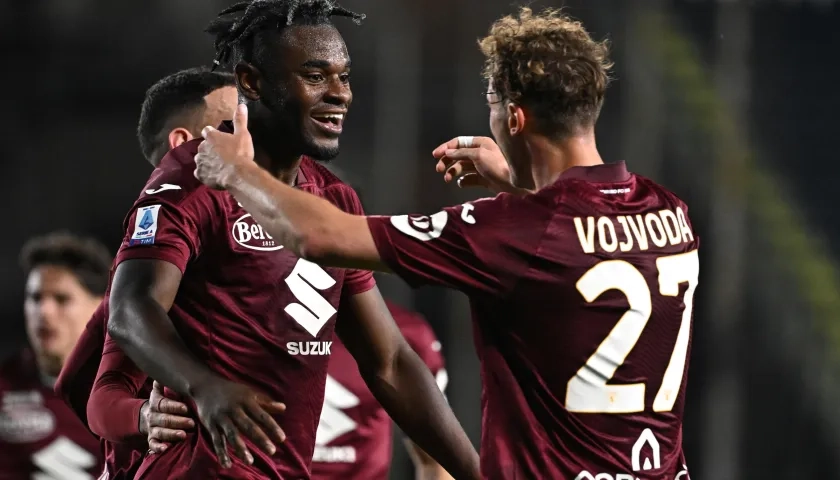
<point x="667" y="196"/>
<point x="173" y="181"/>
<point x="320" y="181"/>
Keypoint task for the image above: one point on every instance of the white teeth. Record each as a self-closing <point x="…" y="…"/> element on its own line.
<point x="331" y="116"/>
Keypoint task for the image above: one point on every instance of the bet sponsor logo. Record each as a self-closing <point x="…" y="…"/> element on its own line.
<point x="249" y="234"/>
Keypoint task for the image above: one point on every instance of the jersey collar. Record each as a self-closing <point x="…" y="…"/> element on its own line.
<point x="606" y="173"/>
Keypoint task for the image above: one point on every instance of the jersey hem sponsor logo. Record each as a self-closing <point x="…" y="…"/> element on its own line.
<point x="334" y="455"/>
<point x="145" y="226"/>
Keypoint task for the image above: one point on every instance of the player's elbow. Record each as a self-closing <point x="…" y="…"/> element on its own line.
<point x="318" y="244"/>
<point x="119" y="322"/>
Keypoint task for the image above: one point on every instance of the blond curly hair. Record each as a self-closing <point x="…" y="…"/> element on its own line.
<point x="550" y="65"/>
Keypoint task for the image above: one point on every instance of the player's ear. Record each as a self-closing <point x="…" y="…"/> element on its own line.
<point x="516" y="119"/>
<point x="178" y="136"/>
<point x="248" y="80"/>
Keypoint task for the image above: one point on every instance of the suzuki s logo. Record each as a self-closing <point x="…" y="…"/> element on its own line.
<point x="251" y="235"/>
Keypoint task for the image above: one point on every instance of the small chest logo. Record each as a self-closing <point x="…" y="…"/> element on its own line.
<point x="250" y="234"/>
<point x="24" y="419"/>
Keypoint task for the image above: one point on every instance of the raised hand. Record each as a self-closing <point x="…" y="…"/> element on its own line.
<point x="220" y="153"/>
<point x="473" y="162"/>
<point x="164" y="420"/>
<point x="228" y="410"/>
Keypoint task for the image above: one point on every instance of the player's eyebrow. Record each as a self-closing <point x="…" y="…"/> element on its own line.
<point x="323" y="64"/>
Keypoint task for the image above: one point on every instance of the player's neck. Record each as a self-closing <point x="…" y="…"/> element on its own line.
<point x="549" y="159"/>
<point x="284" y="167"/>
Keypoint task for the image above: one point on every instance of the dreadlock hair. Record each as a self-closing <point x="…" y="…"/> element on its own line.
<point x="179" y="96"/>
<point x="234" y="28"/>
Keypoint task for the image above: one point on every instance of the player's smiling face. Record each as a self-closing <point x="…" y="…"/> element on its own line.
<point x="309" y="87"/>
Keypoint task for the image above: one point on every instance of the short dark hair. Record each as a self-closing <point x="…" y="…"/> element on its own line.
<point x="179" y="96"/>
<point x="85" y="257"/>
<point x="549" y="64"/>
<point x="235" y="27"/>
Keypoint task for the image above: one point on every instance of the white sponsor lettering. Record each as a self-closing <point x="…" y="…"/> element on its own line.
<point x="334" y="454"/>
<point x="633" y="231"/>
<point x="421" y="227"/>
<point x="248" y="233"/>
<point x="466" y="214"/>
<point x="309" y="348"/>
<point x="585" y="475"/>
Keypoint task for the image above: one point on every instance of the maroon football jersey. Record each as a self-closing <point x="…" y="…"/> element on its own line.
<point x="354" y="433"/>
<point x="251" y="310"/>
<point x="581" y="298"/>
<point x="40" y="437"/>
<point x="76" y="382"/>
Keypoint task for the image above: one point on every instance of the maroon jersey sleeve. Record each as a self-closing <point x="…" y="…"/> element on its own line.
<point x="79" y="371"/>
<point x="475" y="247"/>
<point x="355" y="281"/>
<point x="168" y="221"/>
<point x="114" y="409"/>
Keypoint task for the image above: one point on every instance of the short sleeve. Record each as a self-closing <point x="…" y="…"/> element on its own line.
<point x="477" y="247"/>
<point x="355" y="281"/>
<point x="160" y="230"/>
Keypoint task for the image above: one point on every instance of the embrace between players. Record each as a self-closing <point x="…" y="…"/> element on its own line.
<point x="245" y="264"/>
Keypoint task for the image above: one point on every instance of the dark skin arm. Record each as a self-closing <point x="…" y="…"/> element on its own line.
<point x="403" y="384"/>
<point x="142" y="292"/>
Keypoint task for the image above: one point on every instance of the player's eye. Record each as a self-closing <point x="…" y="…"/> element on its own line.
<point x="345" y="77"/>
<point x="315" y="77"/>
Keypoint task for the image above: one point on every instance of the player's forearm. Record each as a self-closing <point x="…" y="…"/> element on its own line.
<point x="143" y="330"/>
<point x="431" y="472"/>
<point x="288" y="215"/>
<point x="409" y="394"/>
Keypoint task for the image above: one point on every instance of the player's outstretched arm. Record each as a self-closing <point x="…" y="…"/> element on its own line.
<point x="142" y="292"/>
<point x="403" y="384"/>
<point x="311" y="227"/>
<point x="75" y="381"/>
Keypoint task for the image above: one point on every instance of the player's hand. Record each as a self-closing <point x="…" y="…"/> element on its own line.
<point x="221" y="153"/>
<point x="164" y="420"/>
<point x="228" y="410"/>
<point x="473" y="162"/>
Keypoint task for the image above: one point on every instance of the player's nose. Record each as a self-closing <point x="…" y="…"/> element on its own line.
<point x="339" y="93"/>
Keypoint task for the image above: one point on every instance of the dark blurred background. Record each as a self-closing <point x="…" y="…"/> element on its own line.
<point x="732" y="104"/>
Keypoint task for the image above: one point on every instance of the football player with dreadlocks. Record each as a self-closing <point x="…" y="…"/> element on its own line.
<point x="208" y="305"/>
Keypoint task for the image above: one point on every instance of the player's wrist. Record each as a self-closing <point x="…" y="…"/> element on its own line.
<point x="143" y="420"/>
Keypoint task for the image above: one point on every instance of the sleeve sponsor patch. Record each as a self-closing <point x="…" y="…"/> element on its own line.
<point x="145" y="226"/>
<point x="421" y="227"/>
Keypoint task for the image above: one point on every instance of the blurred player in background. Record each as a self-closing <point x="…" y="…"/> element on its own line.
<point x="40" y="438"/>
<point x="173" y="112"/>
<point x="208" y="305"/>
<point x="581" y="275"/>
